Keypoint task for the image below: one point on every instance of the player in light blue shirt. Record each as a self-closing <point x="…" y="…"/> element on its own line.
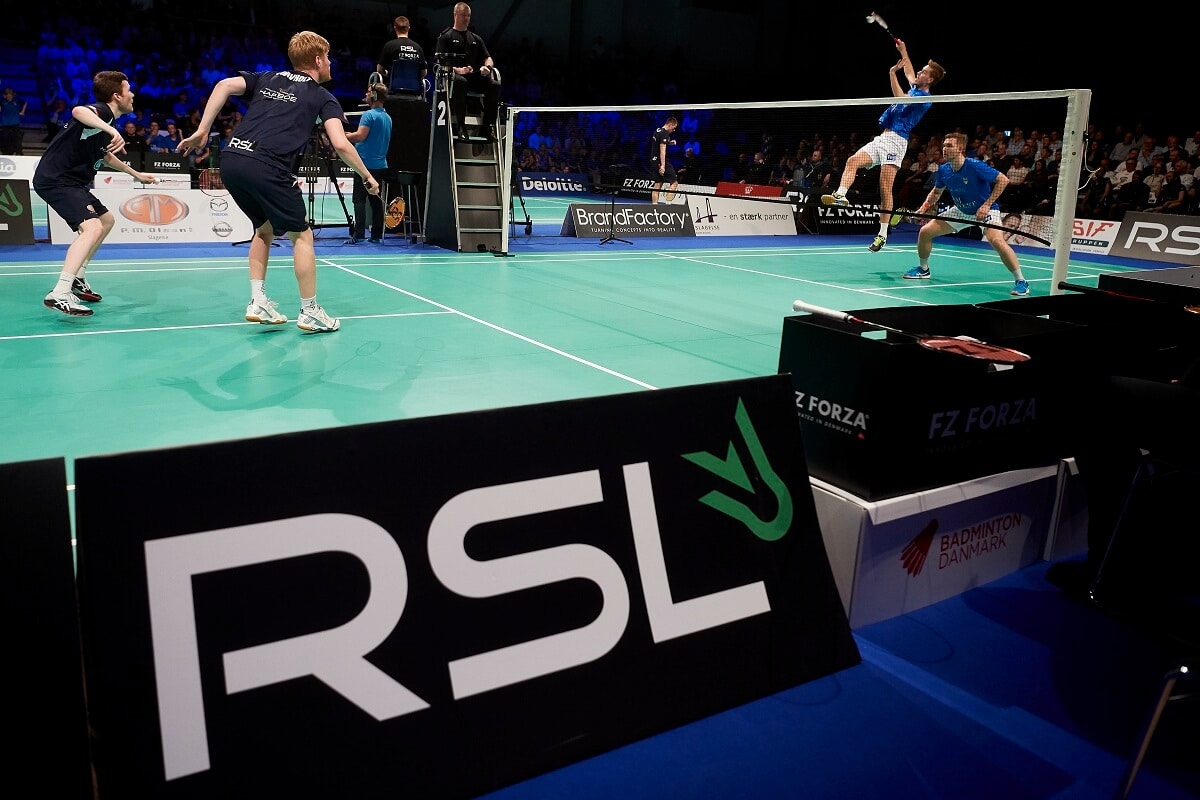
<point x="974" y="187"/>
<point x="887" y="150"/>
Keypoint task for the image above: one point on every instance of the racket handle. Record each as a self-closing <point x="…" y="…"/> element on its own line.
<point x="800" y="305"/>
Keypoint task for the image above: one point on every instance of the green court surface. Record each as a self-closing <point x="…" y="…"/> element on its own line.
<point x="167" y="359"/>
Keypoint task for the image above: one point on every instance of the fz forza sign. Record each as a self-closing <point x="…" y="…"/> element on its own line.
<point x="397" y="622"/>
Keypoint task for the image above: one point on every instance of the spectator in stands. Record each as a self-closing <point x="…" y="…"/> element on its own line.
<point x="64" y="177"/>
<point x="1122" y="149"/>
<point x="133" y="142"/>
<point x="1146" y="153"/>
<point x="1016" y="141"/>
<point x="1192" y="146"/>
<point x="1155" y="176"/>
<point x="225" y="139"/>
<point x="1183" y="171"/>
<point x="1171" y="197"/>
<point x="689" y="169"/>
<point x="475" y="76"/>
<point x="1041" y="186"/>
<point x="151" y="134"/>
<point x="12" y="108"/>
<point x="371" y="139"/>
<point x="188" y="125"/>
<point x="402" y="48"/>
<point x="182" y="105"/>
<point x="258" y="170"/>
<point x="887" y="149"/>
<point x="758" y="172"/>
<point x="166" y="140"/>
<point x="1124" y="172"/>
<point x="1134" y="195"/>
<point x="56" y="118"/>
<point x="1014" y="197"/>
<point x="917" y="182"/>
<point x="1002" y="160"/>
<point x="974" y="187"/>
<point x="1092" y="199"/>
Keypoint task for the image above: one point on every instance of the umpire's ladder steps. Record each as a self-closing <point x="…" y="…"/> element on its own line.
<point x="477" y="195"/>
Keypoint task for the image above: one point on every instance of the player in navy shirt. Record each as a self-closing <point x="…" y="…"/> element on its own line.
<point x="974" y="187"/>
<point x="256" y="166"/>
<point x="660" y="164"/>
<point x="887" y="150"/>
<point x="64" y="178"/>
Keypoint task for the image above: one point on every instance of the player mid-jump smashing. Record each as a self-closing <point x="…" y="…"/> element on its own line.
<point x="887" y="150"/>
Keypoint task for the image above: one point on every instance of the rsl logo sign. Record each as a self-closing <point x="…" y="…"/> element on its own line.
<point x="395" y="624"/>
<point x="338" y="657"/>
<point x="154" y="209"/>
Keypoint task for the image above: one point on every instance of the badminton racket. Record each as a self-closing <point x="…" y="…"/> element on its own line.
<point x="878" y="20"/>
<point x="956" y="345"/>
<point x="1074" y="287"/>
<point x="900" y="214"/>
<point x="393" y="217"/>
<point x="211" y="184"/>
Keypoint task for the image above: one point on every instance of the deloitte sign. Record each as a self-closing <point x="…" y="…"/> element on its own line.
<point x="543" y="183"/>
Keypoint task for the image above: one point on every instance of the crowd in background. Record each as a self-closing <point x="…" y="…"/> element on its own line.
<point x="173" y="63"/>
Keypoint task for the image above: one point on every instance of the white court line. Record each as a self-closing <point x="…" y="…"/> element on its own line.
<point x="495" y="327"/>
<point x="199" y="327"/>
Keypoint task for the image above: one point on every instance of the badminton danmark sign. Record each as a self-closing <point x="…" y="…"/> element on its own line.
<point x="462" y="602"/>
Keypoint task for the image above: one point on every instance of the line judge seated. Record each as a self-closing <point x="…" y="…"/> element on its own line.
<point x="402" y="63"/>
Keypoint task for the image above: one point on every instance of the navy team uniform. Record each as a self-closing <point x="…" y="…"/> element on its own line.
<point x="660" y="136"/>
<point x="256" y="165"/>
<point x="68" y="168"/>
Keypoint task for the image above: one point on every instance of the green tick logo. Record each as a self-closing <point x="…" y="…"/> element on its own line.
<point x="731" y="469"/>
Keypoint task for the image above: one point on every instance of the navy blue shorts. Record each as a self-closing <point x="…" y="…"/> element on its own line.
<point x="668" y="175"/>
<point x="263" y="192"/>
<point x="73" y="203"/>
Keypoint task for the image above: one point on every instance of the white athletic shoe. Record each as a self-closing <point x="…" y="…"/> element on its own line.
<point x="266" y="313"/>
<point x="67" y="304"/>
<point x="317" y="321"/>
<point x="835" y="200"/>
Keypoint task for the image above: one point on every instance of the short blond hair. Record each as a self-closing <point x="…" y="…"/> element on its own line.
<point x="304" y="47"/>
<point x="936" y="72"/>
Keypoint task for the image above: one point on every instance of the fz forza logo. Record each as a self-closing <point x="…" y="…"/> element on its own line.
<point x="154" y="209"/>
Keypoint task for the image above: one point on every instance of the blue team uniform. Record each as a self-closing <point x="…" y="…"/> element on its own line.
<point x="969" y="186"/>
<point x="903" y="117"/>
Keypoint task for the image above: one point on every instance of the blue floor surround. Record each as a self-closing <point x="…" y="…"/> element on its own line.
<point x="1011" y="690"/>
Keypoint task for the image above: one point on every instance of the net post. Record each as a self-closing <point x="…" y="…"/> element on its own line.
<point x="1069" y="168"/>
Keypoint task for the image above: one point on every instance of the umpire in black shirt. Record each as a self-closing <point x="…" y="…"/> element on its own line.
<point x="475" y="76"/>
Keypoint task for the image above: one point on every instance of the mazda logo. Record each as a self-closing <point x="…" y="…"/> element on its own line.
<point x="154" y="209"/>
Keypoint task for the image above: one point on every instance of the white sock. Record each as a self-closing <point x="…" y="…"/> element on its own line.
<point x="308" y="303"/>
<point x="883" y="229"/>
<point x="924" y="263"/>
<point x="258" y="291"/>
<point x="65" y="279"/>
<point x="841" y="191"/>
